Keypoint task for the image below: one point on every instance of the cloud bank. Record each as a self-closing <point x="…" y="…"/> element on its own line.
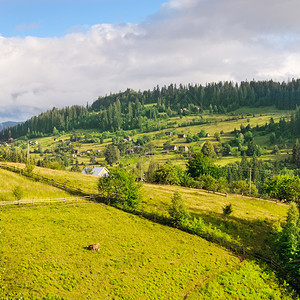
<point x="186" y="41"/>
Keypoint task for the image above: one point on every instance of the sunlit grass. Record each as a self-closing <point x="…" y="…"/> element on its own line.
<point x="31" y="190"/>
<point x="249" y="225"/>
<point x="43" y="255"/>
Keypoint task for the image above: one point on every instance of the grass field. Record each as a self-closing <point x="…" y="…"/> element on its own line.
<point x="43" y="257"/>
<point x="31" y="190"/>
<point x="249" y="225"/>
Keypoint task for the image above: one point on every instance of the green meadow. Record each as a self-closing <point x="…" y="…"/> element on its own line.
<point x="43" y="254"/>
<point x="31" y="190"/>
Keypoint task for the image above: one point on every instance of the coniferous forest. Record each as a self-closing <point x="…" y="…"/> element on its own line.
<point x="132" y="109"/>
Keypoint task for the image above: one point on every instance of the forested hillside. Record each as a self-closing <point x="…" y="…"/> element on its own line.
<point x="137" y="110"/>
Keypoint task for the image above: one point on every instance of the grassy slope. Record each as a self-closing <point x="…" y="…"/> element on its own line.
<point x="249" y="225"/>
<point x="43" y="255"/>
<point x="42" y="251"/>
<point x="32" y="190"/>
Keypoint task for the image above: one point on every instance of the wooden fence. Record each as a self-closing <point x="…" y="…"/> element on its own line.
<point x="33" y="201"/>
<point x="40" y="178"/>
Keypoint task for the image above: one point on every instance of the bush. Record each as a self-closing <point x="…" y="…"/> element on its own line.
<point x="227" y="210"/>
<point x="18" y="192"/>
<point x="177" y="210"/>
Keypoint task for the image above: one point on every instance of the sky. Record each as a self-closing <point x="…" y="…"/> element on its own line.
<point x="61" y="52"/>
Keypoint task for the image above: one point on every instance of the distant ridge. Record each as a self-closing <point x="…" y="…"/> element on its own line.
<point x="8" y="124"/>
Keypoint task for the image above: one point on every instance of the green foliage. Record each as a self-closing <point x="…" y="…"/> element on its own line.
<point x="178" y="210"/>
<point x="112" y="154"/>
<point x="242" y="187"/>
<point x="88" y="170"/>
<point x="208" y="149"/>
<point x="217" y="136"/>
<point x="284" y="187"/>
<point x="199" y="164"/>
<point x="120" y="188"/>
<point x="28" y="170"/>
<point x="18" y="192"/>
<point x="288" y="247"/>
<point x="296" y="154"/>
<point x="167" y="174"/>
<point x="227" y="210"/>
<point x="150" y="174"/>
<point x="247" y="281"/>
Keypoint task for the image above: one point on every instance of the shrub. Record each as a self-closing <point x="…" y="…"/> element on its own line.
<point x="177" y="210"/>
<point x="227" y="210"/>
<point x="18" y="192"/>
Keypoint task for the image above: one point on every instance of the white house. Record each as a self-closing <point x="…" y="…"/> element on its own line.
<point x="96" y="171"/>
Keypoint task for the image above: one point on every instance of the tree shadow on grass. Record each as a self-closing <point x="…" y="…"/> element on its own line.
<point x="254" y="235"/>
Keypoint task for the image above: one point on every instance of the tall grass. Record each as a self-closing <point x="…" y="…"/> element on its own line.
<point x="31" y="190"/>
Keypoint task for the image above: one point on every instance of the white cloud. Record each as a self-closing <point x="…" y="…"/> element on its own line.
<point x="186" y="41"/>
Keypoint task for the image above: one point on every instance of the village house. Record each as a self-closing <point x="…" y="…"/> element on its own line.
<point x="75" y="151"/>
<point x="168" y="133"/>
<point x="181" y="135"/>
<point x="183" y="148"/>
<point x="137" y="148"/>
<point x="170" y="147"/>
<point x="96" y="171"/>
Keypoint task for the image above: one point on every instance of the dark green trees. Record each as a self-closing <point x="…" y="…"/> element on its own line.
<point x="112" y="154"/>
<point x="200" y="164"/>
<point x="208" y="149"/>
<point x="288" y="247"/>
<point x="284" y="187"/>
<point x="296" y="154"/>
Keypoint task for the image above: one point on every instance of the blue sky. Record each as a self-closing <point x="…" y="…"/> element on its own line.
<point x="61" y="52"/>
<point x="45" y="18"/>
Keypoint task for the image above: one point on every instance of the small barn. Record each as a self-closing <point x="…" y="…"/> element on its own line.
<point x="181" y="135"/>
<point x="170" y="147"/>
<point x="183" y="148"/>
<point x="96" y="171"/>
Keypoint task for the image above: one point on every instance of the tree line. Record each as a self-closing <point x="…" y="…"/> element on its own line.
<point x="140" y="110"/>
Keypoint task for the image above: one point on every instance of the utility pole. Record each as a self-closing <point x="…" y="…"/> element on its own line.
<point x="141" y="169"/>
<point x="28" y="157"/>
<point x="250" y="183"/>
